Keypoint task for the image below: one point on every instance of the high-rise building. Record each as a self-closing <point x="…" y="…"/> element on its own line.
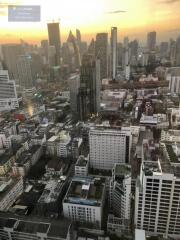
<point x="178" y="52"/>
<point x="54" y="39"/>
<point x="25" y="71"/>
<point x="10" y="54"/>
<point x="151" y="41"/>
<point x="44" y="46"/>
<point x="108" y="146"/>
<point x="164" y="49"/>
<point x="91" y="47"/>
<point x="120" y="191"/>
<point x="74" y="84"/>
<point x="101" y="50"/>
<point x="89" y="91"/>
<point x="172" y="49"/>
<point x="8" y="95"/>
<point x="113" y="52"/>
<point x="173" y="76"/>
<point x="71" y="39"/>
<point x="157" y="208"/>
<point x="84" y="200"/>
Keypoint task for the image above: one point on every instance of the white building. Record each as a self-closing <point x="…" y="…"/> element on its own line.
<point x="10" y="190"/>
<point x="120" y="191"/>
<point x="157" y="208"/>
<point x="173" y="76"/>
<point x="81" y="167"/>
<point x="62" y="145"/>
<point x="84" y="200"/>
<point x="109" y="146"/>
<point x="8" y="95"/>
<point x="170" y="135"/>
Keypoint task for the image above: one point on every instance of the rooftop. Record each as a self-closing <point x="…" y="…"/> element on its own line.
<point x="85" y="191"/>
<point x="82" y="161"/>
<point x="122" y="169"/>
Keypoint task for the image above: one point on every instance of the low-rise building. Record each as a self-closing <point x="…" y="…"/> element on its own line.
<point x="10" y="190"/>
<point x="84" y="200"/>
<point x="6" y="161"/>
<point x="81" y="167"/>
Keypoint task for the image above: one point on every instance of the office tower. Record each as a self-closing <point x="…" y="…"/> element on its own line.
<point x="178" y="52"/>
<point x="74" y="84"/>
<point x="113" y="52"/>
<point x="78" y="35"/>
<point x="25" y="71"/>
<point x="120" y="54"/>
<point x="54" y="39"/>
<point x="84" y="200"/>
<point x="91" y="47"/>
<point x="89" y="91"/>
<point x="71" y="39"/>
<point x="101" y="50"/>
<point x="44" y="47"/>
<point x="126" y="42"/>
<point x="108" y="146"/>
<point x="151" y="41"/>
<point x="8" y="95"/>
<point x="133" y="47"/>
<point x="10" y="53"/>
<point x="157" y="208"/>
<point x="172" y="53"/>
<point x="164" y="49"/>
<point x="120" y="191"/>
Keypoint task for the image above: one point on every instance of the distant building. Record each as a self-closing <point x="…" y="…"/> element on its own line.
<point x="113" y="52"/>
<point x="25" y="71"/>
<point x="151" y="41"/>
<point x="89" y="91"/>
<point x="173" y="76"/>
<point x="54" y="40"/>
<point x="10" y="54"/>
<point x="74" y="84"/>
<point x="84" y="200"/>
<point x="178" y="51"/>
<point x="8" y="94"/>
<point x="101" y="51"/>
<point x="108" y="146"/>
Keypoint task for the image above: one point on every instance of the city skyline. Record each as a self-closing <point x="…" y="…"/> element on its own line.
<point x="97" y="16"/>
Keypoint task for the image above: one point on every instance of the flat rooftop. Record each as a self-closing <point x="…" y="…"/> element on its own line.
<point x="33" y="225"/>
<point x="122" y="169"/>
<point x="86" y="191"/>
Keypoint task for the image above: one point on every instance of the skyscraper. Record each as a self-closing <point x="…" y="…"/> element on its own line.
<point x="74" y="84"/>
<point x="151" y="41"/>
<point x="113" y="52"/>
<point x="89" y="91"/>
<point x="54" y="39"/>
<point x="178" y="51"/>
<point x="71" y="39"/>
<point x="10" y="53"/>
<point x="25" y="71"/>
<point x="101" y="50"/>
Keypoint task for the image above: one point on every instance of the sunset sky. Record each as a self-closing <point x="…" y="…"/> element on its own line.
<point x="132" y="17"/>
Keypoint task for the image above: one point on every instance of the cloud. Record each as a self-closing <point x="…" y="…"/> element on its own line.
<point x="169" y="1"/>
<point x="116" y="12"/>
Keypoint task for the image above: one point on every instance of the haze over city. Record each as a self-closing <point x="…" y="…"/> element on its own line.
<point x="133" y="18"/>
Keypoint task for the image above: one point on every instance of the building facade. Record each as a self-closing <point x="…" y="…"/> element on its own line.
<point x="108" y="146"/>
